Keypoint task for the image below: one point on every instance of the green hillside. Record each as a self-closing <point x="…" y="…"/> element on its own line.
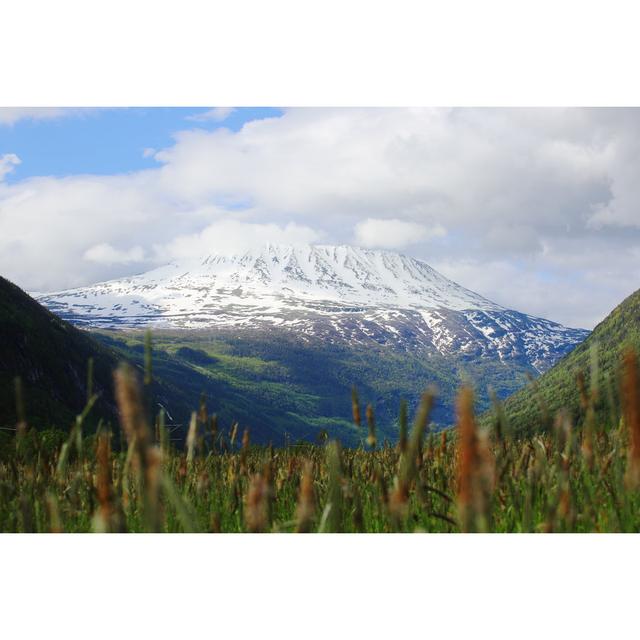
<point x="51" y="358"/>
<point x="560" y="387"/>
<point x="286" y="390"/>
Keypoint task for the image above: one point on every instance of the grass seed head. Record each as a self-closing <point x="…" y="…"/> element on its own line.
<point x="371" y="422"/>
<point x="305" y="510"/>
<point x="475" y="468"/>
<point x="355" y="407"/>
<point x="256" y="505"/>
<point x="631" y="401"/>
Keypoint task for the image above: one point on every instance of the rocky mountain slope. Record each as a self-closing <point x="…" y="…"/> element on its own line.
<point x="340" y="294"/>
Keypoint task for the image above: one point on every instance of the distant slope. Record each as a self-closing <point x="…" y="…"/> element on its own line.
<point x="337" y="294"/>
<point x="51" y="358"/>
<point x="558" y="387"/>
<point x="285" y="389"/>
<point x="277" y="400"/>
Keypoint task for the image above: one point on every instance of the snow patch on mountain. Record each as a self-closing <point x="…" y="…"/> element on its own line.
<point x="337" y="293"/>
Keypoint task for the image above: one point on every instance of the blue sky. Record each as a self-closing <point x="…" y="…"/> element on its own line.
<point x="106" y="141"/>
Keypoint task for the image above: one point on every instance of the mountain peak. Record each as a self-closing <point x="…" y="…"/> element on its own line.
<point x="340" y="273"/>
<point x="333" y="293"/>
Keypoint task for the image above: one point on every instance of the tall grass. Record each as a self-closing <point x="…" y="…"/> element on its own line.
<point x="568" y="478"/>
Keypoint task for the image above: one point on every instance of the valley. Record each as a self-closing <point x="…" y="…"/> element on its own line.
<point x="284" y="332"/>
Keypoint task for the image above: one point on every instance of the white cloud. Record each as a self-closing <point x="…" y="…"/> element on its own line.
<point x="48" y="224"/>
<point x="551" y="193"/>
<point x="228" y="237"/>
<point x="106" y="254"/>
<point x="8" y="161"/>
<point x="534" y="291"/>
<point x="148" y="152"/>
<point x="11" y="115"/>
<point x="475" y="167"/>
<point x="392" y="233"/>
<point x="217" y="114"/>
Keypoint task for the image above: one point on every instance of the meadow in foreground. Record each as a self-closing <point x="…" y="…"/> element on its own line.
<point x="573" y="478"/>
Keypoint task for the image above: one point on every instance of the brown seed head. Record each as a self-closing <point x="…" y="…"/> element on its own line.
<point x="256" y="505"/>
<point x="371" y="422"/>
<point x="475" y="467"/>
<point x="355" y="407"/>
<point x="130" y="406"/>
<point x="631" y="400"/>
<point x="305" y="510"/>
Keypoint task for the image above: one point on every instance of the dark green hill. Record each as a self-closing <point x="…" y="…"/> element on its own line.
<point x="535" y="405"/>
<point x="51" y="357"/>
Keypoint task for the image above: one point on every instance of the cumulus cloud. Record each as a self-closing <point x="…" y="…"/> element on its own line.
<point x="229" y="237"/>
<point x="391" y="233"/>
<point x="48" y="224"/>
<point x="539" y="290"/>
<point x="106" y="254"/>
<point x="7" y="163"/>
<point x="217" y="114"/>
<point x="534" y="201"/>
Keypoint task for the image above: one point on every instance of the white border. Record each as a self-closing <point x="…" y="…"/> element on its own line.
<point x="334" y="52"/>
<point x="322" y="586"/>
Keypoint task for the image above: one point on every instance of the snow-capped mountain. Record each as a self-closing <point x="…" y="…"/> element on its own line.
<point x="337" y="293"/>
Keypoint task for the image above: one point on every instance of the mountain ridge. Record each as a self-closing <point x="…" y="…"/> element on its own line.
<point x="339" y="293"/>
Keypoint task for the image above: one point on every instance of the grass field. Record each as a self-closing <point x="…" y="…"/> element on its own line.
<point x="572" y="478"/>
